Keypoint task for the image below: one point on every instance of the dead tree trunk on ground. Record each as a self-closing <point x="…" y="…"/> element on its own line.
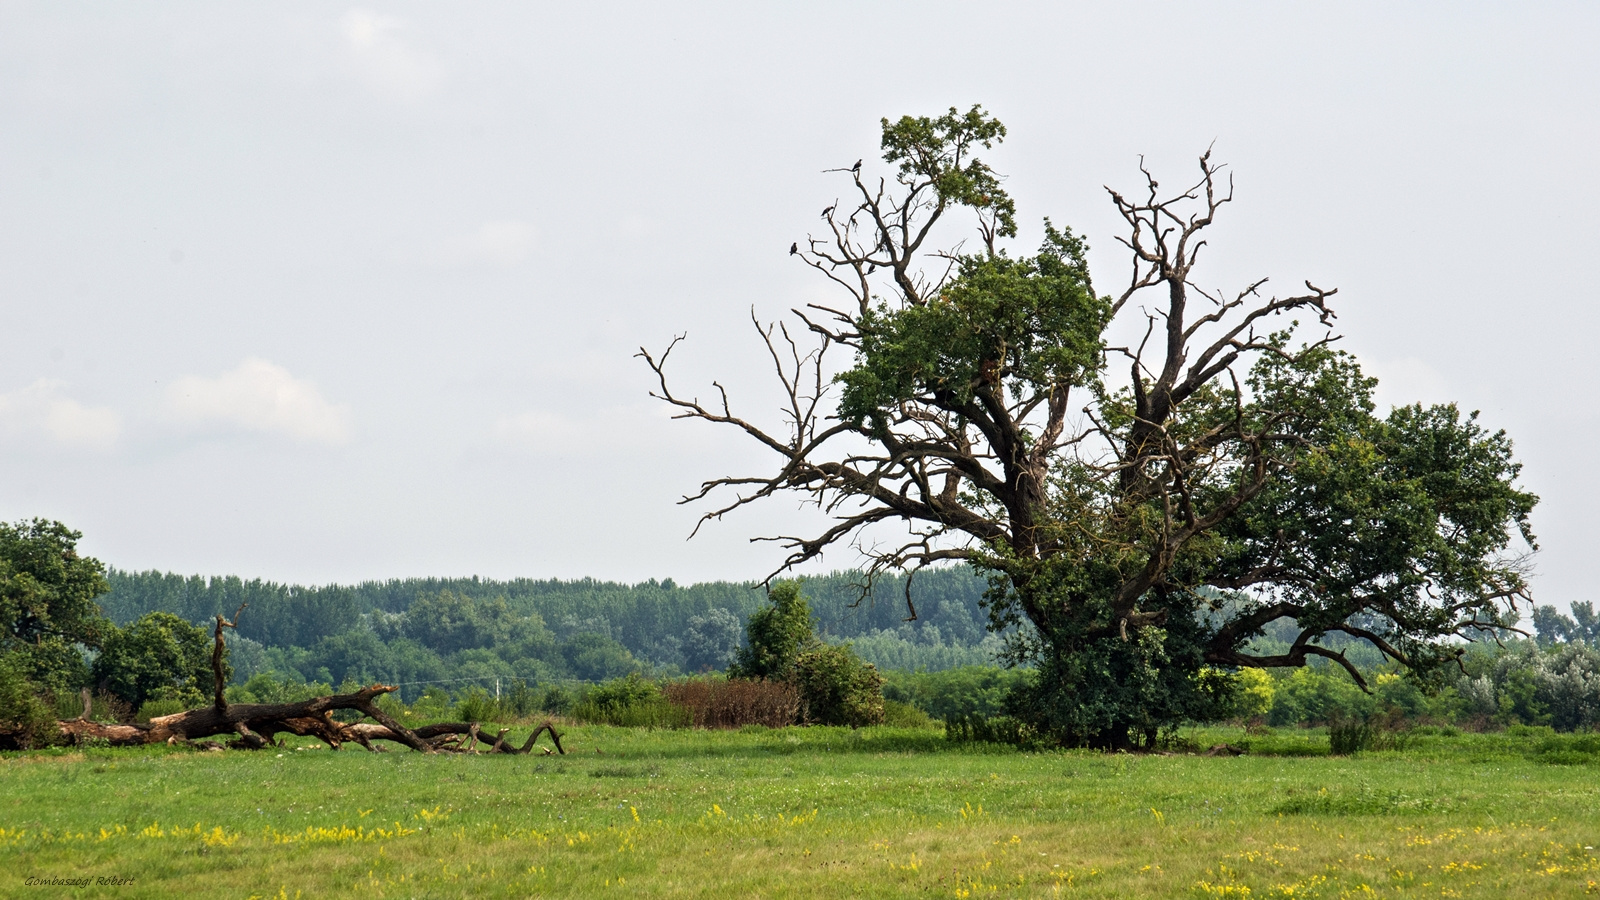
<point x="256" y="725"/>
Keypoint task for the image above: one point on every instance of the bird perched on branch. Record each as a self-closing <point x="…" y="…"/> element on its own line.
<point x="856" y="169"/>
<point x="827" y="212"/>
<point x="794" y="248"/>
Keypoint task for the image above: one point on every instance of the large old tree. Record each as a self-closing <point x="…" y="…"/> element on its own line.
<point x="1143" y="510"/>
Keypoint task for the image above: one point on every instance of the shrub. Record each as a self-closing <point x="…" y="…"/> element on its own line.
<point x="158" y="656"/>
<point x="265" y="687"/>
<point x="967" y="691"/>
<point x="557" y="700"/>
<point x="477" y="706"/>
<point x="988" y="730"/>
<point x="735" y="702"/>
<point x="1560" y="688"/>
<point x="1256" y="690"/>
<point x="630" y="702"/>
<point x="26" y="721"/>
<point x="1350" y="738"/>
<point x="904" y="715"/>
<point x="155" y="709"/>
<point x="837" y="688"/>
<point x="103" y="707"/>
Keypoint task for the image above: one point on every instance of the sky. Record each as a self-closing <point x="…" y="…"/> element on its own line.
<point x="317" y="293"/>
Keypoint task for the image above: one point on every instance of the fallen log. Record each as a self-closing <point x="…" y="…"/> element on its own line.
<point x="257" y="725"/>
<point x="442" y="734"/>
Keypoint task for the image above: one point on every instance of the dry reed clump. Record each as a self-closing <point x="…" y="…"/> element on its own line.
<point x="736" y="702"/>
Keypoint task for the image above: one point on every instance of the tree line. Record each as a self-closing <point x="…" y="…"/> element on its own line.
<point x="476" y="630"/>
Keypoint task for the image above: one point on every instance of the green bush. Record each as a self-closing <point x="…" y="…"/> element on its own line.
<point x="1350" y="738"/>
<point x="837" y="688"/>
<point x="265" y="687"/>
<point x="103" y="707"/>
<point x="477" y="706"/>
<point x="158" y="656"/>
<point x="26" y="721"/>
<point x="967" y="691"/>
<point x="433" y="706"/>
<point x="155" y="709"/>
<point x="631" y="702"/>
<point x="989" y="730"/>
<point x="904" y="715"/>
<point x="557" y="700"/>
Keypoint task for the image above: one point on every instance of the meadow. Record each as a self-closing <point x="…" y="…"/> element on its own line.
<point x="812" y="812"/>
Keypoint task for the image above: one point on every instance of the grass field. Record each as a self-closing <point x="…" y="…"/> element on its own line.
<point x="808" y="812"/>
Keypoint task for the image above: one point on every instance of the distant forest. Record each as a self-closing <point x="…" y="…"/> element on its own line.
<point x="459" y="631"/>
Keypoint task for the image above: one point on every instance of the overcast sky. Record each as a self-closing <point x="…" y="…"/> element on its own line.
<point x="316" y="293"/>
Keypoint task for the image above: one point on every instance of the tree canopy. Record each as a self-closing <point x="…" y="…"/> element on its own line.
<point x="1144" y="509"/>
<point x="47" y="603"/>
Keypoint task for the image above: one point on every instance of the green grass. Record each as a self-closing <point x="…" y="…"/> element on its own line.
<point x="814" y="812"/>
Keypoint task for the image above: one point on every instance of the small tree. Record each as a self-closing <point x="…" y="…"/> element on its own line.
<point x="47" y="604"/>
<point x="158" y="656"/>
<point x="836" y="686"/>
<point x="776" y="636"/>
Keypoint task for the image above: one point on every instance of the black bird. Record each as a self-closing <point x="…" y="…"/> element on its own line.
<point x="856" y="169"/>
<point x="794" y="248"/>
<point x="827" y="212"/>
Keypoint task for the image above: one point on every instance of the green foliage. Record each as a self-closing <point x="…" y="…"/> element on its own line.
<point x="266" y="688"/>
<point x="980" y="691"/>
<point x="1103" y="691"/>
<point x="1034" y="320"/>
<point x="630" y="702"/>
<point x="162" y="706"/>
<point x="621" y="692"/>
<point x="904" y="715"/>
<point x="1255" y="694"/>
<point x="974" y="729"/>
<point x="663" y="627"/>
<point x="711" y="640"/>
<point x="26" y="721"/>
<point x="776" y="636"/>
<point x="937" y="152"/>
<point x="53" y="665"/>
<point x="47" y="611"/>
<point x="158" y="657"/>
<point x="477" y="706"/>
<point x="1136" y="554"/>
<point x="837" y="688"/>
<point x="46" y="589"/>
<point x="1582" y="627"/>
<point x="1348" y="738"/>
<point x="1559" y="687"/>
<point x="557" y="700"/>
<point x="595" y="657"/>
<point x="911" y="649"/>
<point x="1318" y="696"/>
